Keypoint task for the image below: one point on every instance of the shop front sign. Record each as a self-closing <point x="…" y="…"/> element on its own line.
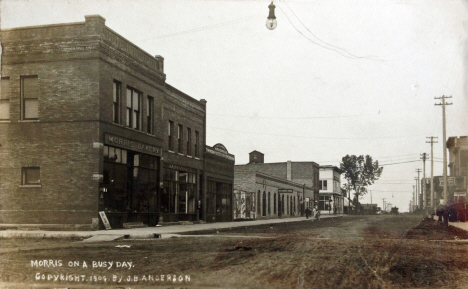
<point x="133" y="145"/>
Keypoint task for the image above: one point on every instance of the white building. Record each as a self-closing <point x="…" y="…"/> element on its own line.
<point x="330" y="194"/>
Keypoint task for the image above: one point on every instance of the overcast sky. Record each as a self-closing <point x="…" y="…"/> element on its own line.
<point x="334" y="78"/>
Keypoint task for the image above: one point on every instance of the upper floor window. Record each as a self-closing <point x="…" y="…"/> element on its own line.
<point x="30" y="176"/>
<point x="29" y="97"/>
<point x="170" y="135"/>
<point x="189" y="141"/>
<point x="5" y="99"/>
<point x="117" y="96"/>
<point x="197" y="144"/>
<point x="150" y="115"/>
<point x="133" y="108"/>
<point x="323" y="185"/>
<point x="180" y="131"/>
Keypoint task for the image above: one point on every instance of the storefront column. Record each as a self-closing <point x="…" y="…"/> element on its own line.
<point x="198" y="197"/>
<point x="204" y="198"/>
<point x="160" y="188"/>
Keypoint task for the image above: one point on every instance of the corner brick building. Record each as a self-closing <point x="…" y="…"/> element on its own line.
<point x="88" y="124"/>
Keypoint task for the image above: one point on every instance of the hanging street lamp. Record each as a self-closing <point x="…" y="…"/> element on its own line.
<point x="271" y="20"/>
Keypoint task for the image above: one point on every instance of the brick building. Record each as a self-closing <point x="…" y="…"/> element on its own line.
<point x="275" y="189"/>
<point x="88" y="124"/>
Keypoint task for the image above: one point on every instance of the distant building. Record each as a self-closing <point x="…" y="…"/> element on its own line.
<point x="331" y="199"/>
<point x="275" y="189"/>
<point x="458" y="164"/>
<point x="369" y="209"/>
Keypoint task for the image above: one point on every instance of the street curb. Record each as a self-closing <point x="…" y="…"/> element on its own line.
<point x="129" y="234"/>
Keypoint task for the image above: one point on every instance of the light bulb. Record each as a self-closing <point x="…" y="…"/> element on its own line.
<point x="271" y="24"/>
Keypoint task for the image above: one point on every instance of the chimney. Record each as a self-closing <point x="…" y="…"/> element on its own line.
<point x="256" y="157"/>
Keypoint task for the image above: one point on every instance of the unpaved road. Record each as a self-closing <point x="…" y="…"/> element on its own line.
<point x="351" y="252"/>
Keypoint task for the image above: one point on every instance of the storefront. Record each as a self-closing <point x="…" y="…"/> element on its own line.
<point x="179" y="196"/>
<point x="129" y="188"/>
<point x="219" y="178"/>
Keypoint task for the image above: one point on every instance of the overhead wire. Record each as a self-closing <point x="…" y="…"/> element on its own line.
<point x="350" y="56"/>
<point x="312" y="137"/>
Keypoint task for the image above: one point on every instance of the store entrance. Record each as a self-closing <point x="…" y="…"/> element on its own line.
<point x="128" y="190"/>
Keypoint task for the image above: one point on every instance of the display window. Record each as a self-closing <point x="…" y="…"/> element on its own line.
<point x="179" y="194"/>
<point x="130" y="181"/>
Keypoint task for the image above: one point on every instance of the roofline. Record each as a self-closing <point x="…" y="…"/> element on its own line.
<point x="284" y="181"/>
<point x="183" y="94"/>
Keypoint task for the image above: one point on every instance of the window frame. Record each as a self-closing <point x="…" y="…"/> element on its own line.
<point x="189" y="141"/>
<point x="116" y="102"/>
<point x="197" y="144"/>
<point x="170" y="133"/>
<point x="180" y="138"/>
<point x="24" y="98"/>
<point x="133" y="119"/>
<point x="150" y="114"/>
<point x="24" y="176"/>
<point x="5" y="98"/>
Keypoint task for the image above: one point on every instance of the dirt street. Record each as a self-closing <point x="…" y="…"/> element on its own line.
<point x="352" y="252"/>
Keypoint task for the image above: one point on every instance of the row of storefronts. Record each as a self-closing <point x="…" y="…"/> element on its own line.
<point x="90" y="133"/>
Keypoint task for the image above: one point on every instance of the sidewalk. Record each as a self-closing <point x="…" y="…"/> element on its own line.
<point x="149" y="232"/>
<point x="460" y="225"/>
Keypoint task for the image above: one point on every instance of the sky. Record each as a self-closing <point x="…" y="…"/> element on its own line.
<point x="335" y="77"/>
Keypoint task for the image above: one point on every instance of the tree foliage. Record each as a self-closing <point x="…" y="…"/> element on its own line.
<point x="359" y="172"/>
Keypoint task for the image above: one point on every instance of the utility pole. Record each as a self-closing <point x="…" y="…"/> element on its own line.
<point x="424" y="157"/>
<point x="443" y="104"/>
<point x="418" y="189"/>
<point x="383" y="204"/>
<point x="432" y="142"/>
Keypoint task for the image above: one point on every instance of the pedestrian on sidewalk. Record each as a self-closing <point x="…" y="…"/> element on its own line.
<point x="307" y="212"/>
<point x="316" y="213"/>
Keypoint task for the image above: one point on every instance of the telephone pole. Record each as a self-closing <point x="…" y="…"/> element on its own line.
<point x="383" y="205"/>
<point x="432" y="142"/>
<point x="424" y="157"/>
<point x="443" y="104"/>
<point x="414" y="198"/>
<point x="418" y="188"/>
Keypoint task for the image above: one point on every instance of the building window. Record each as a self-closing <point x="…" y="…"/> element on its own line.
<point x="150" y="115"/>
<point x="180" y="131"/>
<point x="189" y="141"/>
<point x="269" y="203"/>
<point x="323" y="185"/>
<point x="170" y="136"/>
<point x="133" y="108"/>
<point x="29" y="97"/>
<point x="197" y="144"/>
<point x="5" y="99"/>
<point x="274" y="203"/>
<point x="179" y="195"/>
<point x="30" y="176"/>
<point x="117" y="96"/>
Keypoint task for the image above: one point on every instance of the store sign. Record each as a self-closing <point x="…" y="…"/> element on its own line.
<point x="133" y="145"/>
<point x="180" y="168"/>
<point x="221" y="153"/>
<point x="450" y="181"/>
<point x="103" y="216"/>
<point x="285" y="191"/>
